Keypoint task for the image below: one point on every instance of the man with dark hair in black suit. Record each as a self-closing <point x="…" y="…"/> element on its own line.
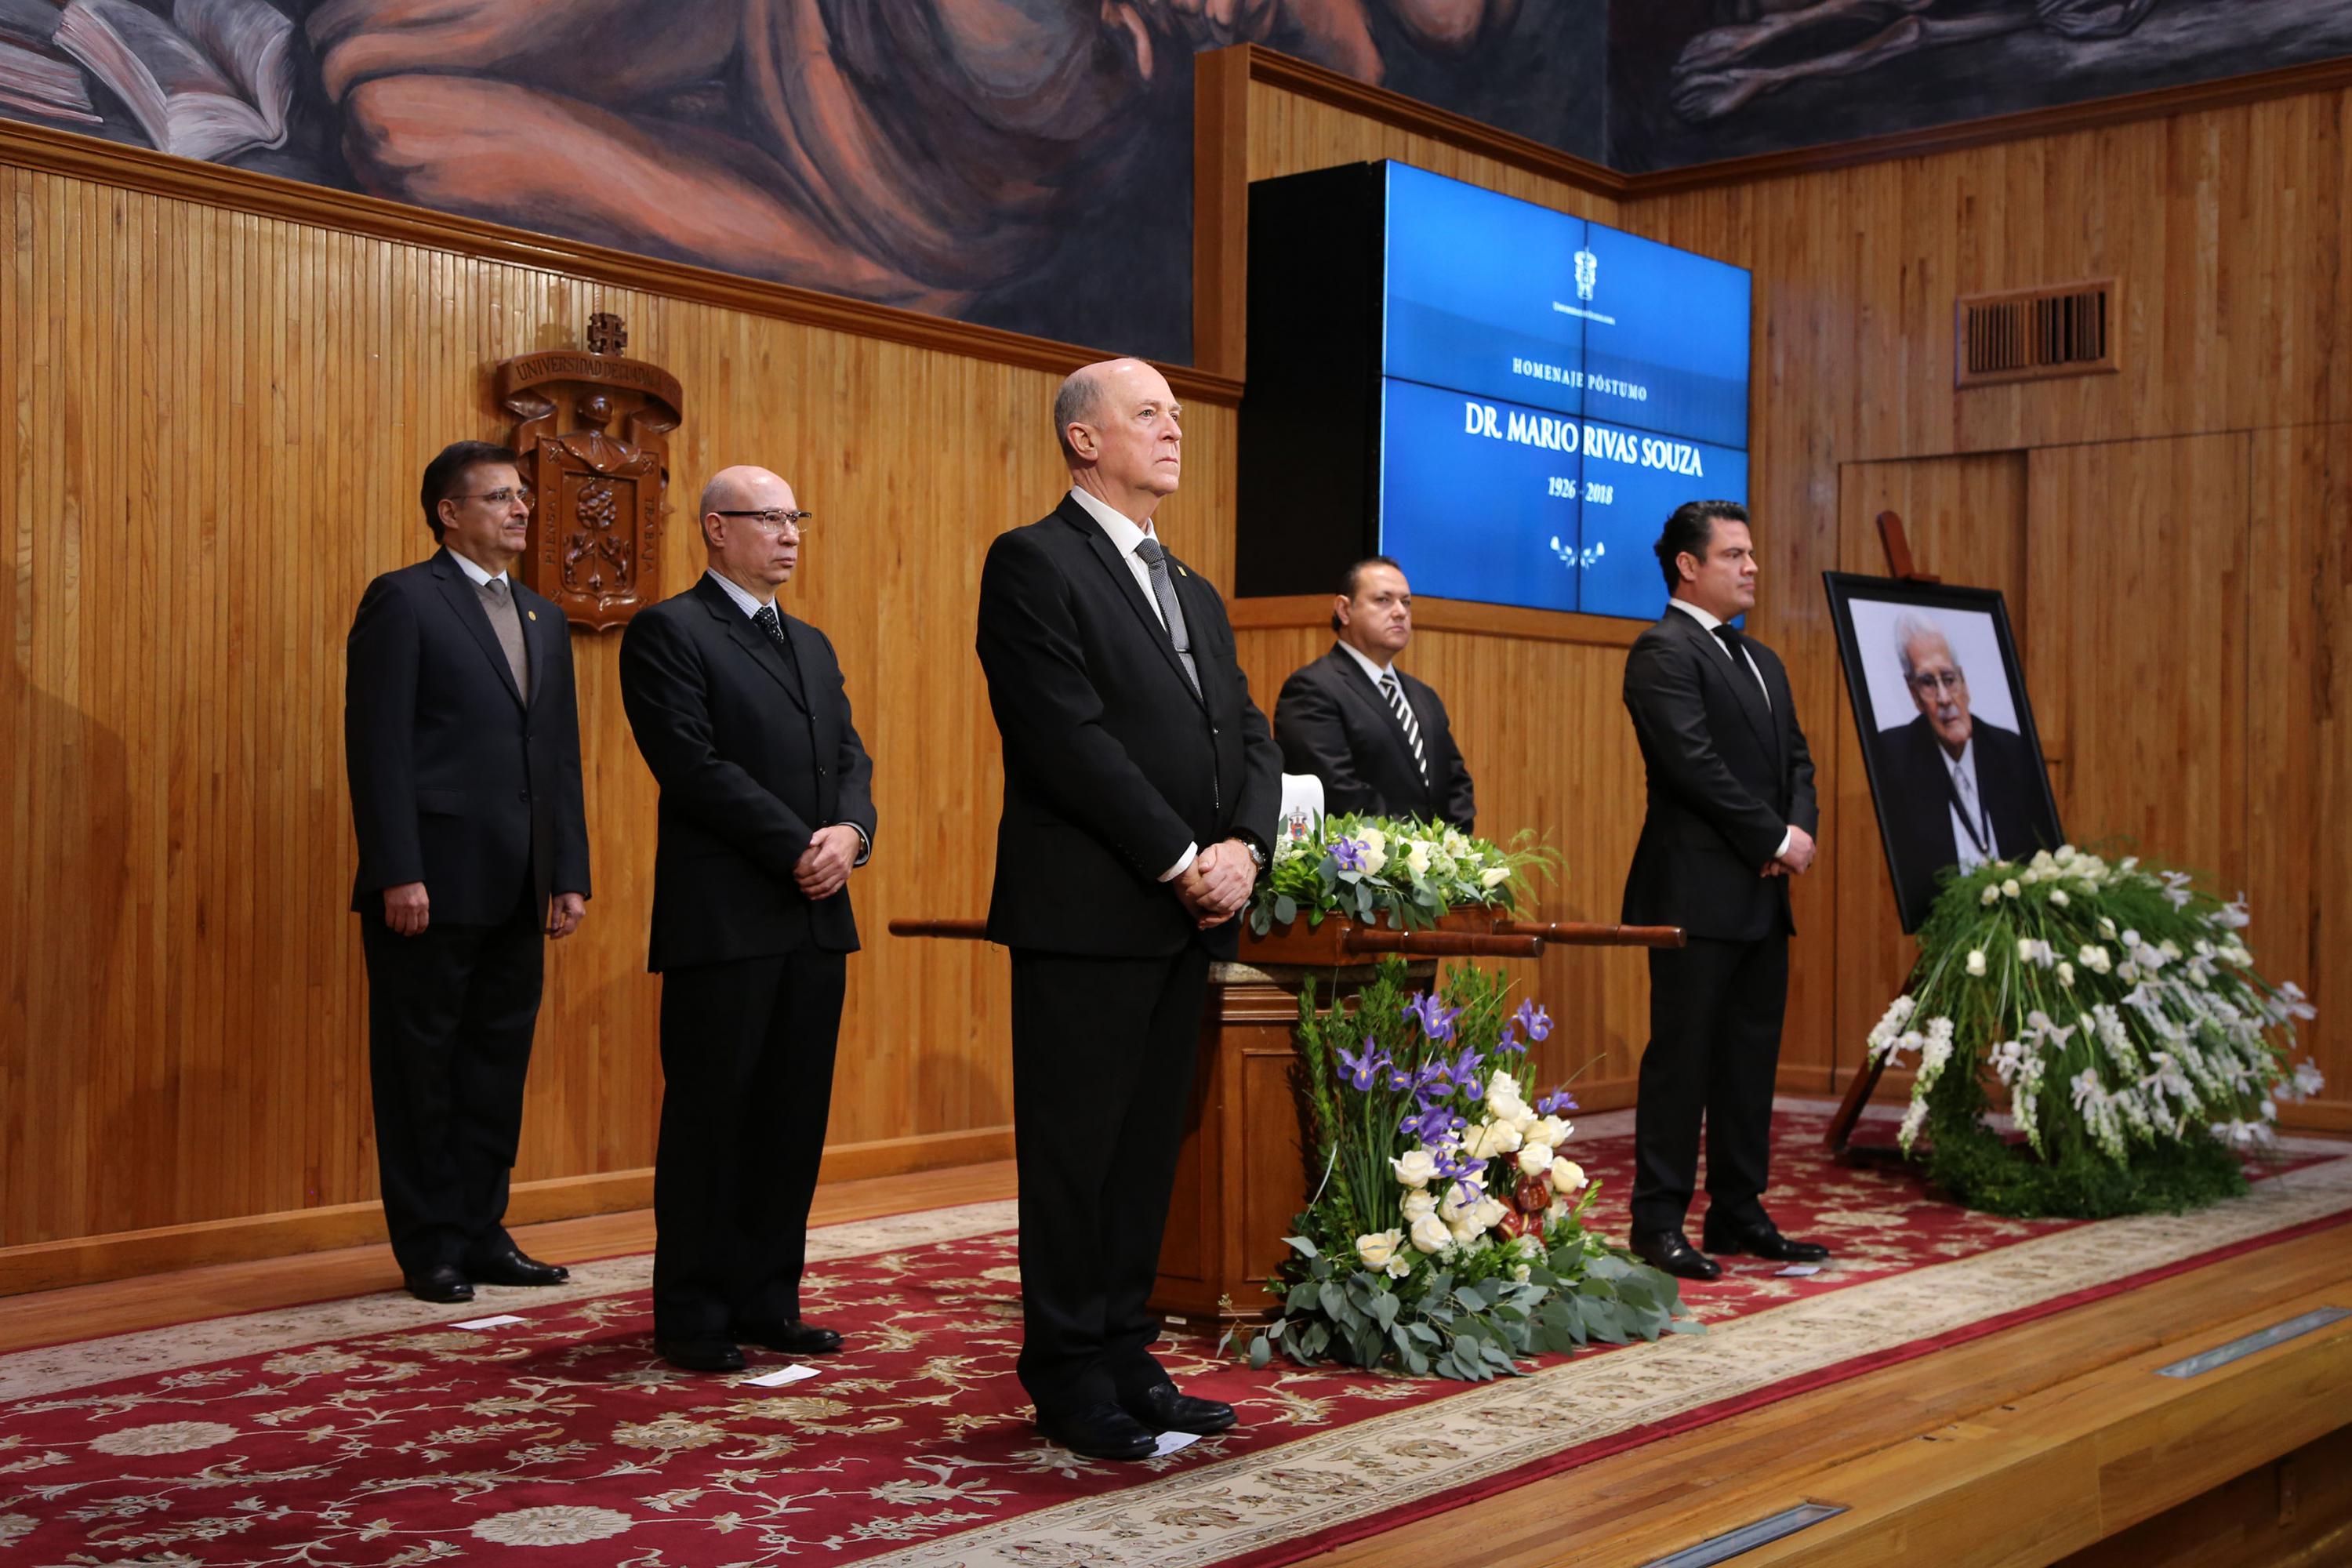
<point x="1731" y="815"/>
<point x="461" y="735"/>
<point x="1959" y="791"/>
<point x="1379" y="739"/>
<point x="1141" y="791"/>
<point x="767" y="807"/>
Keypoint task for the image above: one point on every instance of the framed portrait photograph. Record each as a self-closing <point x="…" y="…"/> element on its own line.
<point x="1948" y="737"/>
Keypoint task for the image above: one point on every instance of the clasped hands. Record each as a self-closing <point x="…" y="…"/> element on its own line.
<point x="408" y="911"/>
<point x="825" y="865"/>
<point x="1797" y="859"/>
<point x="1215" y="885"/>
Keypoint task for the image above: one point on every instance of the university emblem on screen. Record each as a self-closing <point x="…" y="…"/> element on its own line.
<point x="1588" y="272"/>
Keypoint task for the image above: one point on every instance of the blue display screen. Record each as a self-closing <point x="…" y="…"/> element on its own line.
<point x="1552" y="388"/>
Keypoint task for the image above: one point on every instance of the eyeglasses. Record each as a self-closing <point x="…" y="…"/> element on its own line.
<point x="776" y="520"/>
<point x="1938" y="680"/>
<point x="499" y="497"/>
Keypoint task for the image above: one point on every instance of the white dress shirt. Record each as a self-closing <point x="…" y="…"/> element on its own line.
<point x="1710" y="623"/>
<point x="473" y="571"/>
<point x="1964" y="786"/>
<point x="1376" y="673"/>
<point x="1126" y="533"/>
<point x="751" y="607"/>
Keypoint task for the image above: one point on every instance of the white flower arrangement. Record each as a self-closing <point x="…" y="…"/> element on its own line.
<point x="1401" y="871"/>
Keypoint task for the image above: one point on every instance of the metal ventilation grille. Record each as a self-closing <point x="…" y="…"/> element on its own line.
<point x="2026" y="334"/>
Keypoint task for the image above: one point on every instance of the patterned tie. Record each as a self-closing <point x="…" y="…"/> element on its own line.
<point x="1395" y="694"/>
<point x="1149" y="552"/>
<point x="767" y="620"/>
<point x="500" y="608"/>
<point x="1974" y="815"/>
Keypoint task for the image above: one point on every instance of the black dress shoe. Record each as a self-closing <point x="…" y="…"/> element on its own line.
<point x="792" y="1337"/>
<point x="700" y="1353"/>
<point x="443" y="1282"/>
<point x="510" y="1267"/>
<point x="1163" y="1409"/>
<point x="1761" y="1238"/>
<point x="1671" y="1252"/>
<point x="1100" y="1432"/>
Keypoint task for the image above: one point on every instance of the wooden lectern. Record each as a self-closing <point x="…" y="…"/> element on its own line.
<point x="1240" y="1181"/>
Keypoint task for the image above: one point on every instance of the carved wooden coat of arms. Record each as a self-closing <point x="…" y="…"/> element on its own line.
<point x="594" y="455"/>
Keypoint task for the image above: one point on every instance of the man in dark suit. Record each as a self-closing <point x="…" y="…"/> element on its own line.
<point x="1731" y="816"/>
<point x="1958" y="791"/>
<point x="767" y="807"/>
<point x="1378" y="739"/>
<point x="462" y="739"/>
<point x="1141" y="791"/>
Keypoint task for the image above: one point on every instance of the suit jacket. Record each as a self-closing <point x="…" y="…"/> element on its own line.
<point x="1916" y="805"/>
<point x="1726" y="779"/>
<point x="1112" y="763"/>
<point x="1333" y="722"/>
<point x="459" y="781"/>
<point x="754" y="752"/>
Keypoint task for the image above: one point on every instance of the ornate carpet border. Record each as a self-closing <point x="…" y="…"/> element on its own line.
<point x="1306" y="1494"/>
<point x="55" y="1369"/>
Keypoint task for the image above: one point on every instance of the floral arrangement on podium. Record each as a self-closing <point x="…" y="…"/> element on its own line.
<point x="2143" y="1054"/>
<point x="1444" y="1236"/>
<point x="1402" y="870"/>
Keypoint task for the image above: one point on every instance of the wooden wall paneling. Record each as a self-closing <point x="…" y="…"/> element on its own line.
<point x="1965" y="518"/>
<point x="2298" y="739"/>
<point x="2136" y="614"/>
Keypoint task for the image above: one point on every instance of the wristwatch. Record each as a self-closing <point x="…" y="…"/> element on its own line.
<point x="1256" y="851"/>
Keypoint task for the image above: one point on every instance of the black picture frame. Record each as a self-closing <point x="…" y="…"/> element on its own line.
<point x="1920" y="822"/>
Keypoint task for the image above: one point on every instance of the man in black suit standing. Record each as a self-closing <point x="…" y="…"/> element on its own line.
<point x="461" y="735"/>
<point x="1141" y="791"/>
<point x="1378" y="739"/>
<point x="767" y="807"/>
<point x="1960" y="791"/>
<point x="1731" y="816"/>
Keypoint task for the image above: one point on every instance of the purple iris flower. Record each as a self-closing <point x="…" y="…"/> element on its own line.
<point x="1510" y="1044"/>
<point x="1464" y="1072"/>
<point x="1433" y="1125"/>
<point x="1437" y="1019"/>
<point x="1533" y="1019"/>
<point x="1363" y="1069"/>
<point x="1555" y="1102"/>
<point x="1346" y="854"/>
<point x="1401" y="1077"/>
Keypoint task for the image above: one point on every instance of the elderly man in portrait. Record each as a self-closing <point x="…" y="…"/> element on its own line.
<point x="1380" y="740"/>
<point x="766" y="809"/>
<point x="1958" y="790"/>
<point x="1141" y="791"/>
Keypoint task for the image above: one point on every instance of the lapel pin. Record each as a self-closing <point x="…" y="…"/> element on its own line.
<point x="1179" y="569"/>
<point x="532" y="613"/>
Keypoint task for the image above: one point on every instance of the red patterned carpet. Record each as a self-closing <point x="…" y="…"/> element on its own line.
<point x="376" y="1433"/>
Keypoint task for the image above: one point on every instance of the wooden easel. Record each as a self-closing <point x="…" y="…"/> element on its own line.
<point x="1857" y="1094"/>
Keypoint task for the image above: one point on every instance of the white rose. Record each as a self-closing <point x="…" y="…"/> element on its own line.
<point x="1511" y="1111"/>
<point x="1374" y="858"/>
<point x="1488" y="1213"/>
<point x="1534" y="1158"/>
<point x="1418" y="1205"/>
<point x="1489" y="1139"/>
<point x="2066" y="972"/>
<point x="1550" y="1131"/>
<point x="2010" y="889"/>
<point x="1430" y="1234"/>
<point x="1453" y="1208"/>
<point x="1992" y="894"/>
<point x="1376" y="1250"/>
<point x="1373" y="836"/>
<point x="1415" y="1168"/>
<point x="1494" y="875"/>
<point x="2058" y="897"/>
<point x="1416" y="860"/>
<point x="1976" y="961"/>
<point x="1462" y="1232"/>
<point x="2066" y="852"/>
<point x="1567" y="1176"/>
<point x="1501" y="1082"/>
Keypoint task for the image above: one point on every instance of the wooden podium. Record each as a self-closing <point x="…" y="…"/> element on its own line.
<point x="1239" y="1180"/>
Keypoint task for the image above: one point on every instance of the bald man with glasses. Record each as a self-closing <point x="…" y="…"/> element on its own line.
<point x="767" y="809"/>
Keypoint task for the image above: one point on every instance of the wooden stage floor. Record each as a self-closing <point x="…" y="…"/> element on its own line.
<point x="2053" y="1442"/>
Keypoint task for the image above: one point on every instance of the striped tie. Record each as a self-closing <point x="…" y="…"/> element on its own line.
<point x="1395" y="695"/>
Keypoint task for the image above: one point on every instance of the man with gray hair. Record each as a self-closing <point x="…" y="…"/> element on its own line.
<point x="766" y="810"/>
<point x="1141" y="791"/>
<point x="1959" y="790"/>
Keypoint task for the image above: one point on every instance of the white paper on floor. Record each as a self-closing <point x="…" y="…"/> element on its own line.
<point x="792" y="1374"/>
<point x="499" y="1321"/>
<point x="1171" y="1441"/>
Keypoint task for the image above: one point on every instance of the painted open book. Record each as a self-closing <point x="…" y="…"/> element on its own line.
<point x="212" y="80"/>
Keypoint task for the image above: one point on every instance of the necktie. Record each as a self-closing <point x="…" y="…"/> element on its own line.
<point x="1156" y="559"/>
<point x="768" y="621"/>
<point x="1972" y="815"/>
<point x="1737" y="645"/>
<point x="500" y="606"/>
<point x="1395" y="694"/>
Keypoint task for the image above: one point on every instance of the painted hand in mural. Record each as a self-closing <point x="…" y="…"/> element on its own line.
<point x="1711" y="78"/>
